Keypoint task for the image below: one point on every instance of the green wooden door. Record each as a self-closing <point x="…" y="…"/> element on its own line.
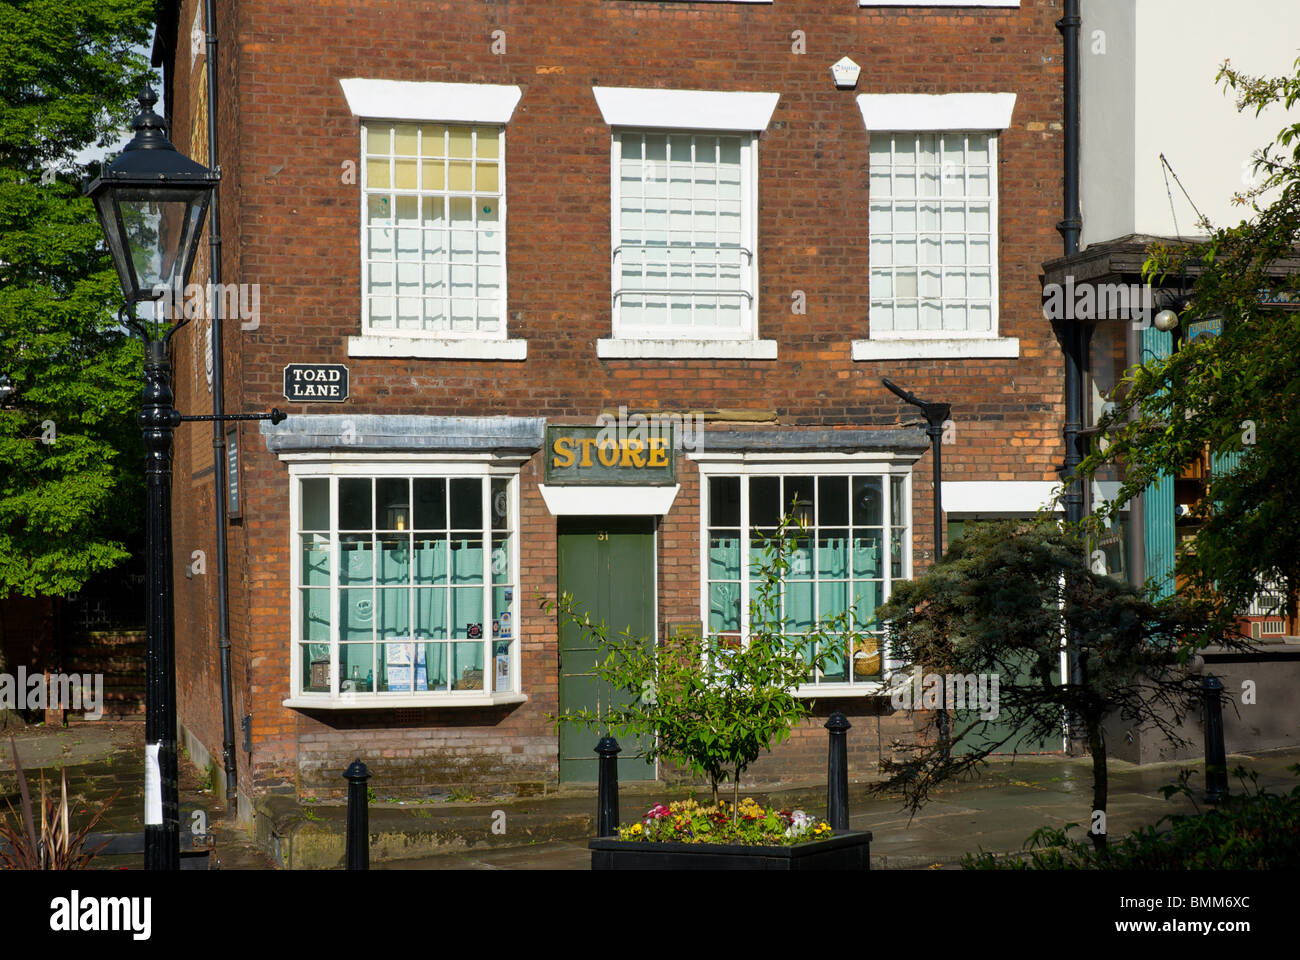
<point x="982" y="737"/>
<point x="608" y="565"/>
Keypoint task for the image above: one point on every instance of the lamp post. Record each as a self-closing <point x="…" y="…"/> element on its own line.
<point x="936" y="415"/>
<point x="151" y="202"/>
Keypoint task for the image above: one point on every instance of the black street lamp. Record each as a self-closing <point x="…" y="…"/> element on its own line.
<point x="151" y="202"/>
<point x="936" y="415"/>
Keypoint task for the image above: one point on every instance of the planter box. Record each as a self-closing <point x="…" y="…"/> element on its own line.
<point x="844" y="851"/>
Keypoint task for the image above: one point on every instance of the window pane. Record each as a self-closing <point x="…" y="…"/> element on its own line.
<point x="315" y="561"/>
<point x="868" y="502"/>
<point x="833" y="553"/>
<point x="799" y="497"/>
<point x="724" y="501"/>
<point x="430" y="503"/>
<point x="724" y="557"/>
<point x="501" y="504"/>
<point x="394" y="560"/>
<point x="866" y="555"/>
<point x="799" y="607"/>
<point x="724" y="607"/>
<point x="431" y="613"/>
<point x="430" y="559"/>
<point x="358" y="667"/>
<point x="393" y="617"/>
<point x="356" y="614"/>
<point x="356" y="561"/>
<point x="467" y="666"/>
<point x="764" y="501"/>
<point x="467" y="560"/>
<point x="833" y="501"/>
<point x="897" y="501"/>
<point x="467" y="613"/>
<point x="392" y="503"/>
<point x="436" y="656"/>
<point x="378" y="138"/>
<point x="397" y="663"/>
<point x="315" y="608"/>
<point x="354" y="503"/>
<point x="466" y="504"/>
<point x="315" y="504"/>
<point x="315" y="658"/>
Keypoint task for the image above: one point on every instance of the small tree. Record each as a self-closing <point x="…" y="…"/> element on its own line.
<point x="1001" y="602"/>
<point x="714" y="704"/>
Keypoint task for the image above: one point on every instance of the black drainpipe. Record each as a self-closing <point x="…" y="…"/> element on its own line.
<point x="218" y="429"/>
<point x="1070" y="228"/>
<point x="1070" y="331"/>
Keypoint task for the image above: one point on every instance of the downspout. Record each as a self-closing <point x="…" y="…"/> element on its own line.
<point x="1070" y="329"/>
<point x="1069" y="228"/>
<point x="218" y="427"/>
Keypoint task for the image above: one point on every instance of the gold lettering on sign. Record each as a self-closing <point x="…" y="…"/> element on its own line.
<point x="658" y="452"/>
<point x="563" y="449"/>
<point x="609" y="447"/>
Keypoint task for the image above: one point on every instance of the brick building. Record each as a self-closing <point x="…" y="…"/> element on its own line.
<point x="506" y="219"/>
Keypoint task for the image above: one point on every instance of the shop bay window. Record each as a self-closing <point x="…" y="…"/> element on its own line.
<point x="406" y="586"/>
<point x="855" y="543"/>
<point x="434" y="230"/>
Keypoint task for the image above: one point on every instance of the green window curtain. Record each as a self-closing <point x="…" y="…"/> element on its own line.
<point x="1158" y="499"/>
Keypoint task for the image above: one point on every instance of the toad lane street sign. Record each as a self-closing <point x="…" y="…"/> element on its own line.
<point x="315" y="382"/>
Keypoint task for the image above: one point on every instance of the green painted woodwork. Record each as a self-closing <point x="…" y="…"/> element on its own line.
<point x="607" y="564"/>
<point x="1158" y="498"/>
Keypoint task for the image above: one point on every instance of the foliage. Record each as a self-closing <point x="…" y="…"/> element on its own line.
<point x="1235" y="393"/>
<point x="70" y="475"/>
<point x="686" y="821"/>
<point x="1000" y="603"/>
<point x="713" y="704"/>
<point x="54" y="846"/>
<point x="1257" y="830"/>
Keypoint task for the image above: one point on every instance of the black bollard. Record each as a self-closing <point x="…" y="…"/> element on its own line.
<point x="607" y="788"/>
<point x="837" y="772"/>
<point x="358" y="838"/>
<point x="1216" y="755"/>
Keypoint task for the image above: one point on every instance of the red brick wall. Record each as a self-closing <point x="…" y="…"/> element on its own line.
<point x="291" y="225"/>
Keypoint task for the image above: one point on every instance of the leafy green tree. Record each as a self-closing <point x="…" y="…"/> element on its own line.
<point x="70" y="455"/>
<point x="712" y="704"/>
<point x="1000" y="603"/>
<point x="1236" y="393"/>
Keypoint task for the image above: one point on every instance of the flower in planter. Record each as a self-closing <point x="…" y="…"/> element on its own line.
<point x="686" y="821"/>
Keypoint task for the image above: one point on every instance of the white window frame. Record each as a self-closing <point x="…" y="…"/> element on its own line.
<point x="748" y="295"/>
<point x="752" y="465"/>
<point x="471" y="104"/>
<point x="966" y="113"/>
<point x="484" y="468"/>
<point x="939" y="199"/>
<point x="367" y="327"/>
<point x="696" y="112"/>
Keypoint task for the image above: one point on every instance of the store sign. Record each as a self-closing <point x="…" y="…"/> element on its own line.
<point x="315" y="383"/>
<point x="607" y="456"/>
